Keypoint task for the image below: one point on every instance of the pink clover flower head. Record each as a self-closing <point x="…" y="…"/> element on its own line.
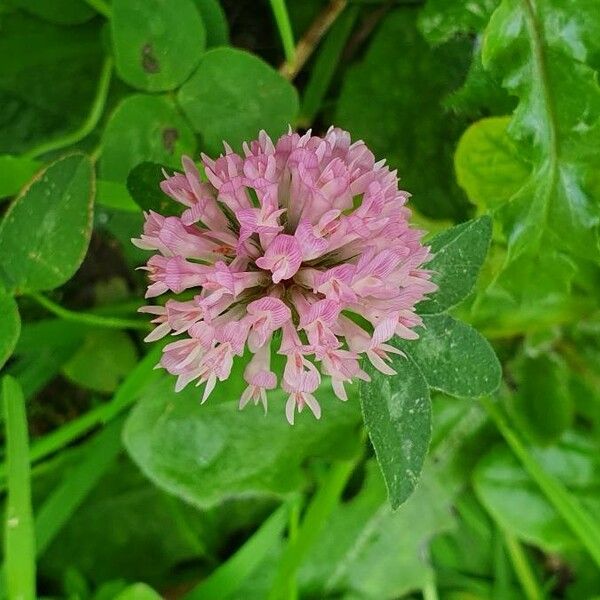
<point x="303" y="245"/>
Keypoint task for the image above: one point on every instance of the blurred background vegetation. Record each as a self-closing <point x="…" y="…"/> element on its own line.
<point x="483" y="107"/>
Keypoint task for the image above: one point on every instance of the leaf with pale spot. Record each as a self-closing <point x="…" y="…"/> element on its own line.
<point x="453" y="357"/>
<point x="458" y="253"/>
<point x="397" y="413"/>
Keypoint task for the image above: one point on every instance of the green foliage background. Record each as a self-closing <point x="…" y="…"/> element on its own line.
<point x="472" y="474"/>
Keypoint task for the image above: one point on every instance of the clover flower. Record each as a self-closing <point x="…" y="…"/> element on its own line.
<point x="305" y="243"/>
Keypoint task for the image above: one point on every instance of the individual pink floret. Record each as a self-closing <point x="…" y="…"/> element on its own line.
<point x="305" y="245"/>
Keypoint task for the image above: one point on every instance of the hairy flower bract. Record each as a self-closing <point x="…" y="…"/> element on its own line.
<point x="302" y="248"/>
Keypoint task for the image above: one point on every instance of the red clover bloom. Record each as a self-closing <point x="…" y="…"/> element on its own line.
<point x="306" y="243"/>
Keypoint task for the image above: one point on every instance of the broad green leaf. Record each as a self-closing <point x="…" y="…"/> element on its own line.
<point x="557" y="122"/>
<point x="143" y="183"/>
<point x="157" y="43"/>
<point x="48" y="78"/>
<point x="104" y="359"/>
<point x="458" y="253"/>
<point x="19" y="538"/>
<point x="488" y="165"/>
<point x="517" y="503"/>
<point x="10" y="326"/>
<point x="46" y="231"/>
<point x="531" y="292"/>
<point x="453" y="357"/>
<point x="232" y="95"/>
<point x="369" y="550"/>
<point x="542" y="404"/>
<point x="138" y="591"/>
<point x="392" y="99"/>
<point x="15" y="172"/>
<point x="215" y="22"/>
<point x="440" y="20"/>
<point x="397" y="413"/>
<point x="144" y="128"/>
<point x="61" y="12"/>
<point x="211" y="452"/>
<point x="170" y="531"/>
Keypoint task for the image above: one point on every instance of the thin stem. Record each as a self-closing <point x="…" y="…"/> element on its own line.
<point x="585" y="528"/>
<point x="522" y="568"/>
<point x="282" y="19"/>
<point x="88" y="125"/>
<point x="325" y="65"/>
<point x="19" y="538"/>
<point x="86" y="317"/>
<point x="310" y="40"/>
<point x="429" y="589"/>
<point x="293" y="530"/>
<point x="101" y="7"/>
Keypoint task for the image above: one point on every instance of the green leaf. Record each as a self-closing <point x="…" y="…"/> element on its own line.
<point x="143" y="183"/>
<point x="157" y="43"/>
<point x="517" y="503"/>
<point x="369" y="550"/>
<point x="103" y="360"/>
<point x="61" y="12"/>
<point x="557" y="206"/>
<point x="10" y="326"/>
<point x="458" y="253"/>
<point x="208" y="453"/>
<point x="15" y="172"/>
<point x="138" y="591"/>
<point x="59" y="506"/>
<point x="542" y="404"/>
<point x="233" y="95"/>
<point x="440" y="21"/>
<point x="48" y="78"/>
<point x="19" y="539"/>
<point x="46" y="231"/>
<point x="531" y="292"/>
<point x="229" y="576"/>
<point x="488" y="165"/>
<point x="215" y="22"/>
<point x="144" y="128"/>
<point x="453" y="357"/>
<point x="397" y="412"/>
<point x="392" y="99"/>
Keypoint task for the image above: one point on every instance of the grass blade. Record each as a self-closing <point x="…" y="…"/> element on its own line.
<point x="225" y="580"/>
<point x="19" y="540"/>
<point x="56" y="510"/>
<point x="568" y="507"/>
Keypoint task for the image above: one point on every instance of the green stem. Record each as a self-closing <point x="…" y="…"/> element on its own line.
<point x="284" y="26"/>
<point x="88" y="125"/>
<point x="573" y="513"/>
<point x="522" y="568"/>
<point x="19" y="537"/>
<point x="429" y="590"/>
<point x="320" y="508"/>
<point x="87" y="318"/>
<point x="325" y="66"/>
<point x="101" y="7"/>
<point x="293" y="530"/>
